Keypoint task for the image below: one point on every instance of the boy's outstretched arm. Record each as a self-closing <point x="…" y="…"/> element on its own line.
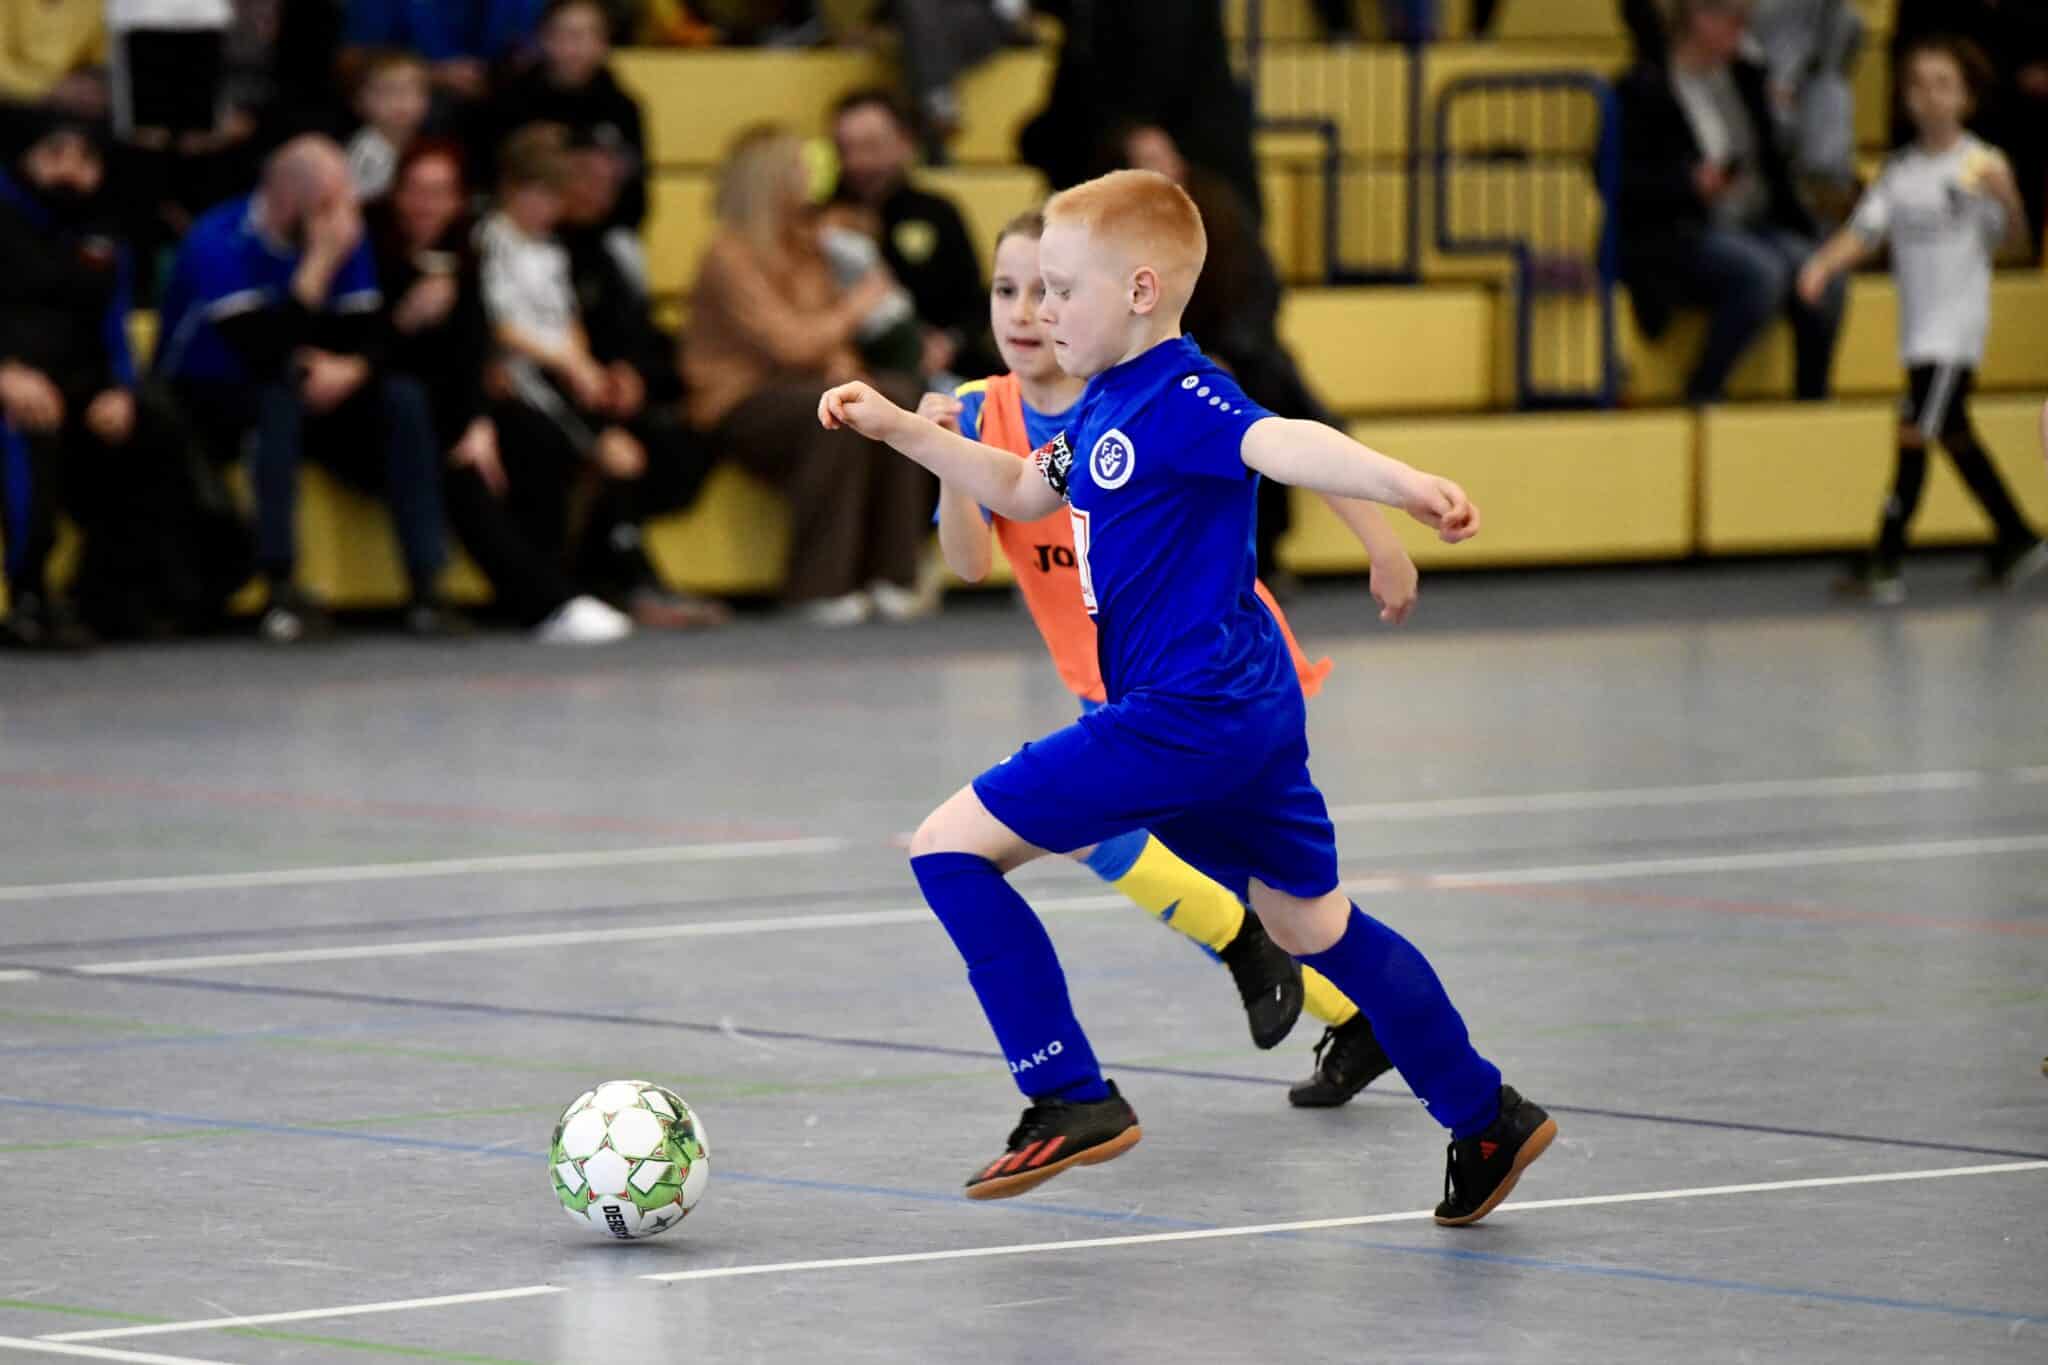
<point x="1840" y="254"/>
<point x="1324" y="460"/>
<point x="995" y="479"/>
<point x="1394" y="580"/>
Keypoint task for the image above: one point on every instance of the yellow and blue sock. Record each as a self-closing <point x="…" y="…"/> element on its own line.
<point x="1015" y="974"/>
<point x="1160" y="882"/>
<point x="1415" y="1021"/>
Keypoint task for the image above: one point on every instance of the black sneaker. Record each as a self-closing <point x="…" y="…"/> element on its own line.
<point x="46" y="623"/>
<point x="1481" y="1171"/>
<point x="432" y="621"/>
<point x="2009" y="568"/>
<point x="1268" y="981"/>
<point x="294" y="618"/>
<point x="1347" y="1060"/>
<point x="1056" y="1134"/>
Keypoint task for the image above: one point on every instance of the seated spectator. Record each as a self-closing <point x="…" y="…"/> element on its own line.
<point x="392" y="100"/>
<point x="1709" y="215"/>
<point x="770" y="328"/>
<point x="439" y="334"/>
<point x="271" y="333"/>
<point x="573" y="86"/>
<point x="575" y="407"/>
<point x="922" y="237"/>
<point x="51" y="52"/>
<point x="1810" y="49"/>
<point x="78" y="435"/>
<point x="942" y="41"/>
<point x="460" y="39"/>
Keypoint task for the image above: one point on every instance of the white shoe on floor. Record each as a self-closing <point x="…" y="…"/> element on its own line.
<point x="583" y="621"/>
<point x="836" y="613"/>
<point x="896" y="603"/>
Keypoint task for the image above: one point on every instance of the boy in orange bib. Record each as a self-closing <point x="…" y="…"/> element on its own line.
<point x="1019" y="411"/>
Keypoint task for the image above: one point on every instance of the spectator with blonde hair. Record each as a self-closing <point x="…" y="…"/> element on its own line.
<point x="769" y="326"/>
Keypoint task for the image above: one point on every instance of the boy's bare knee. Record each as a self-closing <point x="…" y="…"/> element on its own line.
<point x="1301" y="925"/>
<point x="963" y="825"/>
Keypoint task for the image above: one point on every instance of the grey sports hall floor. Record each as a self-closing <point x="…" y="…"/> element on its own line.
<point x="303" y="952"/>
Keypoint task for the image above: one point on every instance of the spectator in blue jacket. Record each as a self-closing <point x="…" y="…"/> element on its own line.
<point x="270" y="327"/>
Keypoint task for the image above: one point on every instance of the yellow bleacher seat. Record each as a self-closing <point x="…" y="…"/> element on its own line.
<point x="1866" y="362"/>
<point x="1799" y="477"/>
<point x="1394" y="349"/>
<point x="697" y="102"/>
<point x="1550" y="489"/>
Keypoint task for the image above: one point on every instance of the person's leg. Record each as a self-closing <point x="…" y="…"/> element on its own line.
<point x="1277" y="828"/>
<point x="1163" y="884"/>
<point x="775" y="436"/>
<point x="1980" y="476"/>
<point x="943" y="40"/>
<point x="530" y="586"/>
<point x="279" y="444"/>
<point x="412" y="481"/>
<point x="901" y="496"/>
<point x="1743" y="282"/>
<point x="1815" y="327"/>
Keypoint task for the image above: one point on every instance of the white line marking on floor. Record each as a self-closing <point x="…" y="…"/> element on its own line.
<point x="1837" y="856"/>
<point x="20" y="974"/>
<point x="355" y="1310"/>
<point x="1321" y="1224"/>
<point x="1026" y="1248"/>
<point x="47" y="1347"/>
<point x="778" y="924"/>
<point x="1364" y="886"/>
<point x="2030" y="774"/>
<point x="1624" y="798"/>
<point x="438" y="867"/>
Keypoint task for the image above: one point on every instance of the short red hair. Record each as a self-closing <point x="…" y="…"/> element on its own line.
<point x="1146" y="216"/>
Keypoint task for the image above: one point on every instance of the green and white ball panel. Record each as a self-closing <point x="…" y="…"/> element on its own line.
<point x="629" y="1159"/>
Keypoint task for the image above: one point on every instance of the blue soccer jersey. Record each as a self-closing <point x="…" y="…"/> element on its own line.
<point x="1164" y="513"/>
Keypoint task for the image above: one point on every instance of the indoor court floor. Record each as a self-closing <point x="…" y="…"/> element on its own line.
<point x="301" y="953"/>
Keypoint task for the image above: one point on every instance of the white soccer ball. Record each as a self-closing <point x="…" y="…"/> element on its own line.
<point x="629" y="1159"/>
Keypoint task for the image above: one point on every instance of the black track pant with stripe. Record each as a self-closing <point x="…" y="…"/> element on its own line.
<point x="1937" y="408"/>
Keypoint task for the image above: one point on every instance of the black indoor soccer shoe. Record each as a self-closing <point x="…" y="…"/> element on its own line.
<point x="1347" y="1060"/>
<point x="1268" y="981"/>
<point x="1056" y="1134"/>
<point x="1482" y="1170"/>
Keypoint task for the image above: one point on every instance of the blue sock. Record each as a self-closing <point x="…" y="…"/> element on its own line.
<point x="1015" y="973"/>
<point x="1117" y="855"/>
<point x="1415" y="1021"/>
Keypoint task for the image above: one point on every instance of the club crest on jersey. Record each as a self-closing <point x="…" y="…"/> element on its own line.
<point x="1055" y="462"/>
<point x="1112" y="460"/>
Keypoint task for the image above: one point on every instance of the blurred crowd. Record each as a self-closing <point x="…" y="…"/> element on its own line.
<point x="402" y="239"/>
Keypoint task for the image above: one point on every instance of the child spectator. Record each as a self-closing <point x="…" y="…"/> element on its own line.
<point x="573" y="86"/>
<point x="1945" y="203"/>
<point x="392" y="100"/>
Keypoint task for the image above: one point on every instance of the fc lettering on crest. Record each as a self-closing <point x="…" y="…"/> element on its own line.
<point x="1112" y="461"/>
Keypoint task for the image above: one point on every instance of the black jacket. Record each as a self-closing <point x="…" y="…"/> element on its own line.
<point x="926" y="246"/>
<point x="601" y="110"/>
<point x="1144" y="61"/>
<point x="448" y="358"/>
<point x="1662" y="215"/>
<point x="63" y="299"/>
<point x="617" y="315"/>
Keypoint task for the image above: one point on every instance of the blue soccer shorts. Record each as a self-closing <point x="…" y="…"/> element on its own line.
<point x="1226" y="788"/>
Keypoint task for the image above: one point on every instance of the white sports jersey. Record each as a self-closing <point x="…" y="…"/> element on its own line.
<point x="1943" y="229"/>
